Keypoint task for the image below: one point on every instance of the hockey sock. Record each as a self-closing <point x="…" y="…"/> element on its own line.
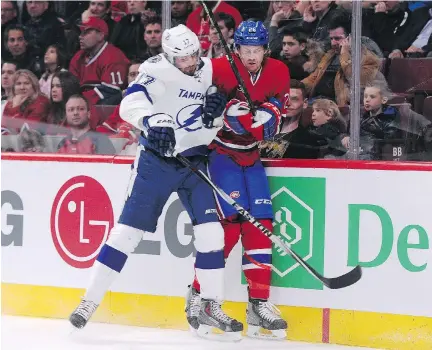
<point x="257" y="259"/>
<point x="232" y="231"/>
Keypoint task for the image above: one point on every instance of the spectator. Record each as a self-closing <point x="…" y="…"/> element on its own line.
<point x="64" y="84"/>
<point x="128" y="32"/>
<point x="27" y="105"/>
<point x="200" y="25"/>
<point x="368" y="12"/>
<point x="9" y="16"/>
<point x="153" y="37"/>
<point x="8" y="70"/>
<point x="227" y="26"/>
<point x="30" y="140"/>
<point x="180" y="10"/>
<point x="54" y="61"/>
<point x="81" y="139"/>
<point x="114" y="125"/>
<point x="317" y="17"/>
<point x="281" y="16"/>
<point x="100" y="67"/>
<point x="414" y="35"/>
<point x="294" y="53"/>
<point x="328" y="128"/>
<point x="20" y="51"/>
<point x="293" y="140"/>
<point x="99" y="9"/>
<point x="43" y="27"/>
<point x="331" y="79"/>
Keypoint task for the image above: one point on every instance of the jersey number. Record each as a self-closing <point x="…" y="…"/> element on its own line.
<point x="113" y="78"/>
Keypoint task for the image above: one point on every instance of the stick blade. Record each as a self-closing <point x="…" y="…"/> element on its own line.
<point x="345" y="280"/>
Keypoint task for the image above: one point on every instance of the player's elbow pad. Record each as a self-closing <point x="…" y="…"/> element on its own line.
<point x="134" y="107"/>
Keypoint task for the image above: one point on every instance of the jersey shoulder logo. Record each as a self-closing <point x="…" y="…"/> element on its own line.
<point x="189" y="117"/>
<point x="144" y="79"/>
<point x="154" y="59"/>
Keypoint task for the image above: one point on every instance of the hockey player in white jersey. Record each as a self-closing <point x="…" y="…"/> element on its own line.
<point x="169" y="102"/>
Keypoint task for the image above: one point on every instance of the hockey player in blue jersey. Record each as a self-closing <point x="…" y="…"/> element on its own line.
<point x="169" y="101"/>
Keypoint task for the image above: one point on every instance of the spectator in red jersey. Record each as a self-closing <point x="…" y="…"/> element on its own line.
<point x="27" y="105"/>
<point x="153" y="37"/>
<point x="102" y="10"/>
<point x="199" y="23"/>
<point x="64" y="84"/>
<point x="54" y="61"/>
<point x="100" y="67"/>
<point x="114" y="125"/>
<point x="81" y="139"/>
<point x="128" y="32"/>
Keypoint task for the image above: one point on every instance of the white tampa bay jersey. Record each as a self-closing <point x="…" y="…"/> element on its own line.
<point x="162" y="88"/>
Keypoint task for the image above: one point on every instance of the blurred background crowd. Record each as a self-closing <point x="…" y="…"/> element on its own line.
<point x="66" y="64"/>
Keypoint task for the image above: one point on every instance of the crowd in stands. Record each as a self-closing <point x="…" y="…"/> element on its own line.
<point x="66" y="65"/>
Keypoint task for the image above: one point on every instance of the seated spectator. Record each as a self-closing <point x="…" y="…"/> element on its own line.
<point x="99" y="9"/>
<point x="64" y="84"/>
<point x="128" y="32"/>
<point x="9" y="16"/>
<point x="317" y="17"/>
<point x="152" y="37"/>
<point x="281" y="17"/>
<point x="294" y="53"/>
<point x="54" y="61"/>
<point x="331" y="79"/>
<point x="227" y="26"/>
<point x="27" y="105"/>
<point x="200" y="25"/>
<point x="414" y="35"/>
<point x="43" y="27"/>
<point x="380" y="122"/>
<point x="8" y="70"/>
<point x="114" y="126"/>
<point x="30" y="140"/>
<point x="180" y="10"/>
<point x="100" y="67"/>
<point x="81" y="139"/>
<point x="328" y="128"/>
<point x="293" y="140"/>
<point x="20" y="51"/>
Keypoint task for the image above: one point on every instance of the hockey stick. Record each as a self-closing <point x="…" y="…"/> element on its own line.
<point x="229" y="57"/>
<point x="333" y="283"/>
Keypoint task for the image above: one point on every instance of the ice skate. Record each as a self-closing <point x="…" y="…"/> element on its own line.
<point x="193" y="308"/>
<point x="82" y="313"/>
<point x="264" y="321"/>
<point x="212" y="318"/>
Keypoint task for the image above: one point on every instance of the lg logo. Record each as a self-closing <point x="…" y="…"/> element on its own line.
<point x="81" y="218"/>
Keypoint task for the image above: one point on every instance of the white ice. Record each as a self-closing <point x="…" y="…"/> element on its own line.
<point x="25" y="333"/>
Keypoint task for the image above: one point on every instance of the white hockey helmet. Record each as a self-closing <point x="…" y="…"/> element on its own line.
<point x="179" y="41"/>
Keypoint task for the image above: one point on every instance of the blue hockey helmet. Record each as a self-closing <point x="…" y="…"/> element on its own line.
<point x="251" y="33"/>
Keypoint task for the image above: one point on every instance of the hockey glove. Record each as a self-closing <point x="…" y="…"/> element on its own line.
<point x="213" y="108"/>
<point x="159" y="132"/>
<point x="268" y="115"/>
<point x="234" y="109"/>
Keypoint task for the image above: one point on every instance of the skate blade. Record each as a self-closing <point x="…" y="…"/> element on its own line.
<point x="212" y="333"/>
<point x="260" y="333"/>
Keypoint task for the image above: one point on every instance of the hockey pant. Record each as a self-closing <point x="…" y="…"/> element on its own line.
<point x="152" y="182"/>
<point x="249" y="187"/>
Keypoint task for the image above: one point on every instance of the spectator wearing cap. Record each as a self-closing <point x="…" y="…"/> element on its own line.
<point x="43" y="27"/>
<point x="81" y="139"/>
<point x="100" y="67"/>
<point x="128" y="32"/>
<point x="199" y="23"/>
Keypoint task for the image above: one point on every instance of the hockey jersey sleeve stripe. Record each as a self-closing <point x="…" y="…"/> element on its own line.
<point x="135" y="106"/>
<point x="138" y="88"/>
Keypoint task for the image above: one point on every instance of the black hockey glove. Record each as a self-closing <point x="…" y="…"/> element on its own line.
<point x="159" y="132"/>
<point x="213" y="108"/>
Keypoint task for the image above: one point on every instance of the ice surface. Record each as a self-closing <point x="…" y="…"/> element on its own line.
<point x="25" y="333"/>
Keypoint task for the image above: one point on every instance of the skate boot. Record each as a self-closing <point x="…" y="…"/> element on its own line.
<point x="193" y="308"/>
<point x="82" y="313"/>
<point x="212" y="317"/>
<point x="264" y="316"/>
